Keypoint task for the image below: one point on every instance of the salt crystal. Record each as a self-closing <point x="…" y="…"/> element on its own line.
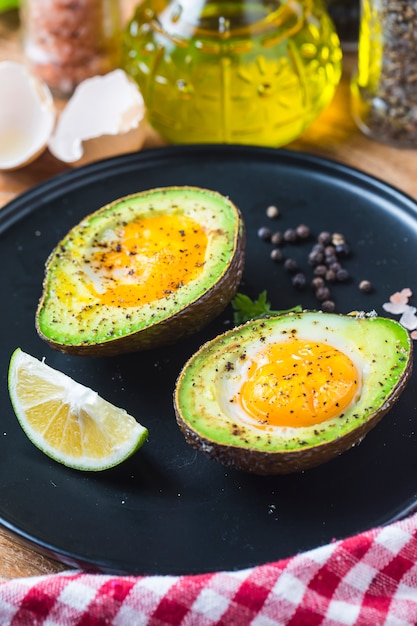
<point x="395" y="307"/>
<point x="409" y="318"/>
<point x="401" y="296"/>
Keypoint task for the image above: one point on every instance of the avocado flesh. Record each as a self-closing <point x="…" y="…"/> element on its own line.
<point x="72" y="319"/>
<point x="381" y="347"/>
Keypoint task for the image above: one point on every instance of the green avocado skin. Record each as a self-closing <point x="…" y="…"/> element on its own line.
<point x="381" y="347"/>
<point x="71" y="321"/>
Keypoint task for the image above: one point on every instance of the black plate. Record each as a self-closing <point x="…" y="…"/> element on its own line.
<point x="170" y="510"/>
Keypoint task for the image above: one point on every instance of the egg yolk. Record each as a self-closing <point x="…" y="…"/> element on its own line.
<point x="148" y="260"/>
<point x="298" y="383"/>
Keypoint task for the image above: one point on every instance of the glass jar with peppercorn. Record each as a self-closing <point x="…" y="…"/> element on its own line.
<point x="384" y="88"/>
<point x="66" y="42"/>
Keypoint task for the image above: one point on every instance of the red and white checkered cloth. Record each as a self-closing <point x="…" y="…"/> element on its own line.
<point x="367" y="580"/>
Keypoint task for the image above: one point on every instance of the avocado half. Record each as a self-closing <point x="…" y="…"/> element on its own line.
<point x="141" y="272"/>
<point x="376" y="351"/>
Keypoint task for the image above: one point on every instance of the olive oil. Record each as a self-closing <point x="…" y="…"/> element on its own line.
<point x="233" y="72"/>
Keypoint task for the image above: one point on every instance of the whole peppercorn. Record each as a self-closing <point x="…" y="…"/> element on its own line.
<point x="315" y="257"/>
<point x="330" y="276"/>
<point x="335" y="266"/>
<point x="318" y="281"/>
<point x="365" y="286"/>
<point x="317" y="247"/>
<point x="324" y="237"/>
<point x="272" y="211"/>
<point x="325" y="257"/>
<point x="330" y="260"/>
<point x="342" y="275"/>
<point x="290" y="235"/>
<point x="342" y="249"/>
<point x="329" y="250"/>
<point x="291" y="266"/>
<point x="265" y="233"/>
<point x="320" y="270"/>
<point x="303" y="231"/>
<point x="277" y="238"/>
<point x="323" y="293"/>
<point x="276" y="255"/>
<point x="328" y="306"/>
<point x="338" y="238"/>
<point x="299" y="280"/>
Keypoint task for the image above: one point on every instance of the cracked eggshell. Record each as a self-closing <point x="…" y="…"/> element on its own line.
<point x="104" y="117"/>
<point x="27" y="116"/>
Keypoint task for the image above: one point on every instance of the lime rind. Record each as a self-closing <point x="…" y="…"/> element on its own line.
<point x="82" y="399"/>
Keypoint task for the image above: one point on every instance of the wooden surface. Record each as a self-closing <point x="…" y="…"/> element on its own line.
<point x="333" y="135"/>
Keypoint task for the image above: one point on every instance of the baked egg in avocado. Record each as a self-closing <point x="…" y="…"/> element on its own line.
<point x="142" y="271"/>
<point x="287" y="393"/>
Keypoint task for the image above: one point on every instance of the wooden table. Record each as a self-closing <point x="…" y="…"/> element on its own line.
<point x="333" y="135"/>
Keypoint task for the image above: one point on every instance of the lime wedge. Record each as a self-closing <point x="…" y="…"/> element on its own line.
<point x="68" y="421"/>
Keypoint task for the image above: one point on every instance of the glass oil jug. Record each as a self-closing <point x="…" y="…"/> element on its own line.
<point x="223" y="71"/>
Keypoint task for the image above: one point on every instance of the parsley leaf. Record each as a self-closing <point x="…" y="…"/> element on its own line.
<point x="246" y="309"/>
